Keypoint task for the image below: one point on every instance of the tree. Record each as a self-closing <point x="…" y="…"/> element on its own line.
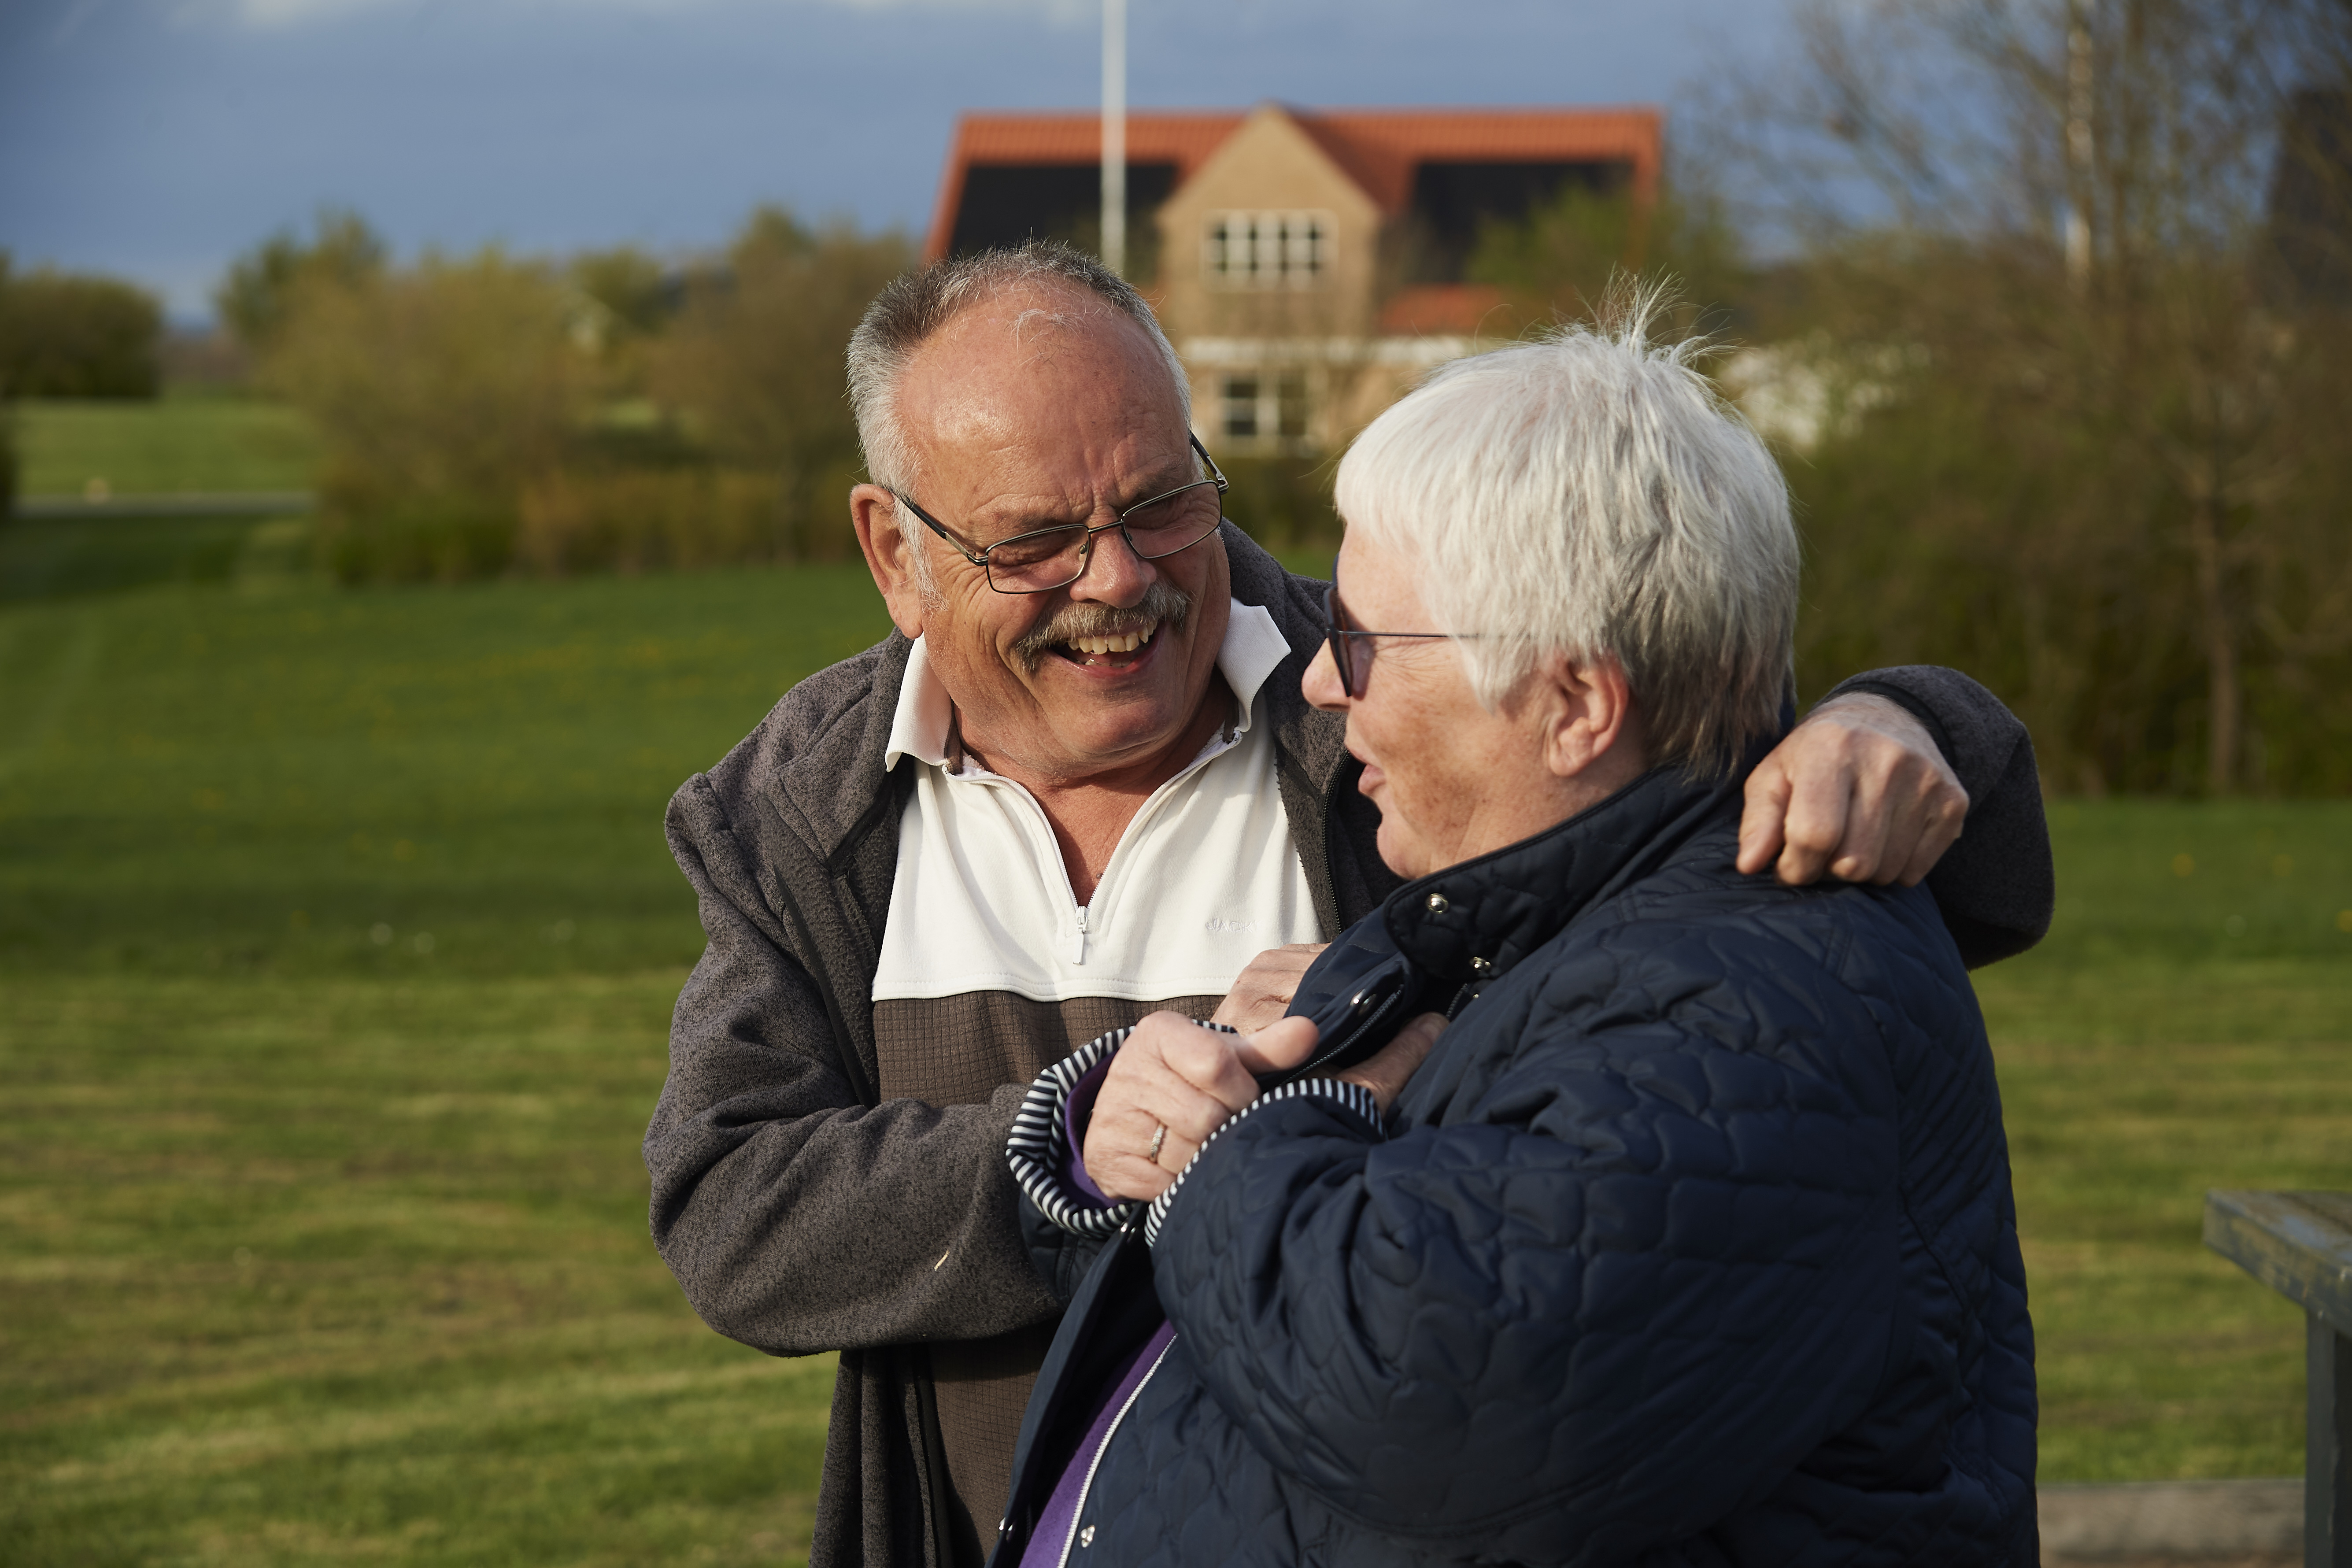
<point x="754" y="360"/>
<point x="65" y="334"/>
<point x="629" y="294"/>
<point x="9" y="469"/>
<point x="257" y="296"/>
<point x="2097" y="461"/>
<point x="1560" y="262"/>
<point x="440" y="392"/>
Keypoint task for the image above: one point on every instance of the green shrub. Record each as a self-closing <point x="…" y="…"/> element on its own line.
<point x="258" y="297"/>
<point x="9" y="464"/>
<point x="65" y="334"/>
<point x="753" y="364"/>
<point x="416" y="539"/>
<point x="440" y="393"/>
<point x="639" y="520"/>
<point x="1283" y="502"/>
<point x="488" y="415"/>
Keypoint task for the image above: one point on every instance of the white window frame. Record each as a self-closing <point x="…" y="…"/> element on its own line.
<point x="1264" y="406"/>
<point x="1267" y="249"/>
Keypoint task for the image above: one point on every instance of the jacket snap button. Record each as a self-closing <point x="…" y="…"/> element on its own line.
<point x="1437" y="904"/>
<point x="1481" y="966"/>
<point x="1086" y="1536"/>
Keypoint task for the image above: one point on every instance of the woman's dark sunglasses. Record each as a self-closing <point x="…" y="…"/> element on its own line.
<point x="1349" y="646"/>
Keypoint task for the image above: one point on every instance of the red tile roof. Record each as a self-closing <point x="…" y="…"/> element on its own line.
<point x="1002" y="139"/>
<point x="1377" y="148"/>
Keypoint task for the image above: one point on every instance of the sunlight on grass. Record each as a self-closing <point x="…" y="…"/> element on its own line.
<point x="170" y="445"/>
<point x="269" y="1301"/>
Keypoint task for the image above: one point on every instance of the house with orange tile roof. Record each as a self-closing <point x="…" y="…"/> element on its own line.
<point x="1308" y="264"/>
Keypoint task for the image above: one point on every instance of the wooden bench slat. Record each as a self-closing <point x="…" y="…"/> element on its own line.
<point x="2298" y="1243"/>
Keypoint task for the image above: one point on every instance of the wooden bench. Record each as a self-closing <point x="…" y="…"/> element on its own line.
<point x="2300" y="1245"/>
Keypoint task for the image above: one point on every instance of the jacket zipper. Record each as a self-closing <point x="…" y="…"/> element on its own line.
<point x="1141" y="820"/>
<point x="1088" y="1486"/>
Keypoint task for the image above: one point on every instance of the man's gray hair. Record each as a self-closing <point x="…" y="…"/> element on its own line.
<point x="1592" y="495"/>
<point x="905" y="315"/>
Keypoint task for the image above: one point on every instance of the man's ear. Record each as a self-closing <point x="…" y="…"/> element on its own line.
<point x="1586" y="713"/>
<point x="874" y="512"/>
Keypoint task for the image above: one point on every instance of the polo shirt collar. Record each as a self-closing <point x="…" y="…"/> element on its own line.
<point x="1254" y="647"/>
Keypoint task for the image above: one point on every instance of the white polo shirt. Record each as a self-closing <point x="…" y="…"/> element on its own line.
<point x="990" y="969"/>
<point x="1203" y="879"/>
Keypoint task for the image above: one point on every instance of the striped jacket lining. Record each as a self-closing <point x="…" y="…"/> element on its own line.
<point x="1038" y="1156"/>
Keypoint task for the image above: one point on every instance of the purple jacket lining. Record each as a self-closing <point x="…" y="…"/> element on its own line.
<point x="1044" y="1548"/>
<point x="1077" y="1111"/>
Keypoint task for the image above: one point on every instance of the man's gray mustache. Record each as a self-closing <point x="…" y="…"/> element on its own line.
<point x="1162" y="605"/>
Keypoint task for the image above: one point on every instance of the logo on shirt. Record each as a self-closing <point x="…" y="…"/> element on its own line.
<point x="1236" y="926"/>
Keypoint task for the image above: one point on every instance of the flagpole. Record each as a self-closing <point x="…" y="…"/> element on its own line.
<point x="1113" y="135"/>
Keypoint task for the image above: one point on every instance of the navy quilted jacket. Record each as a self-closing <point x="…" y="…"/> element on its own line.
<point x="1691" y="1242"/>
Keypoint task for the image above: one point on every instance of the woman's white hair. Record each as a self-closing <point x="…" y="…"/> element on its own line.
<point x="906" y="314"/>
<point x="1592" y="495"/>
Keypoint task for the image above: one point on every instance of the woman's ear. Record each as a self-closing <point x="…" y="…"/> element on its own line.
<point x="1586" y="713"/>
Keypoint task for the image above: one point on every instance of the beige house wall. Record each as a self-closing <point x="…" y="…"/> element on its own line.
<point x="1269" y="164"/>
<point x="1280" y="337"/>
<point x="1319" y="346"/>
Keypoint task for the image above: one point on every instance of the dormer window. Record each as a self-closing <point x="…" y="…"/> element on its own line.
<point x="1266" y="249"/>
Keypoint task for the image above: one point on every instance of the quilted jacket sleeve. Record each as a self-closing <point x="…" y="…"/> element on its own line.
<point x="797" y="1218"/>
<point x="1995" y="887"/>
<point x="1638" y="1274"/>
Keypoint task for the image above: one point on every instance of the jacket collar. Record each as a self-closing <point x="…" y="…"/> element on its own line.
<point x="1474" y="920"/>
<point x="1312" y="741"/>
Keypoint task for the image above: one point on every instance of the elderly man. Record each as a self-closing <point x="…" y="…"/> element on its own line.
<point x="1691" y="1240"/>
<point x="1077" y="785"/>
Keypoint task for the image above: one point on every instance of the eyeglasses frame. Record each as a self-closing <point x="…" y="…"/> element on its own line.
<point x="1087" y="549"/>
<point x="1334" y="634"/>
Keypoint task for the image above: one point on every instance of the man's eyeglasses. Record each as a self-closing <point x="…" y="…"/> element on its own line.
<point x="1044" y="559"/>
<point x="1351" y="648"/>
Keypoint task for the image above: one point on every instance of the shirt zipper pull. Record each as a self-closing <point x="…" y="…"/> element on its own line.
<point x="1079" y="942"/>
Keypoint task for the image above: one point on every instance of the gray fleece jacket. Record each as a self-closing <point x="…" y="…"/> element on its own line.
<point x="802" y="1214"/>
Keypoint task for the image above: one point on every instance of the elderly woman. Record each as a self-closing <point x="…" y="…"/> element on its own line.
<point x="1691" y="1240"/>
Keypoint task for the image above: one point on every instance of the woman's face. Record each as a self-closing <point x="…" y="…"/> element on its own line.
<point x="1453" y="781"/>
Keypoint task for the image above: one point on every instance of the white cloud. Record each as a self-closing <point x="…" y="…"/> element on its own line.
<point x="284" y="13"/>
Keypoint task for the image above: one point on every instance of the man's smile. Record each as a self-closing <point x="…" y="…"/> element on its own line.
<point x="1116" y="652"/>
<point x="1107" y="639"/>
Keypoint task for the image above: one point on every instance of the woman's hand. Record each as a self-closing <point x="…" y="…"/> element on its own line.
<point x="1174" y="1082"/>
<point x="1171" y="1085"/>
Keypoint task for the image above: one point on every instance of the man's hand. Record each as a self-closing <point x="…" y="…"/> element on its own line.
<point x="1173" y="1073"/>
<point x="1265" y="987"/>
<point x="1385" y="1071"/>
<point x="1858" y="789"/>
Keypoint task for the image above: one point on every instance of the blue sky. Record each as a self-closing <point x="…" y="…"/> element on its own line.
<point x="155" y="138"/>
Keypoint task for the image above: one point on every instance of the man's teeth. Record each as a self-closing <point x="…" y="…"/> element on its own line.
<point x="1125" y="643"/>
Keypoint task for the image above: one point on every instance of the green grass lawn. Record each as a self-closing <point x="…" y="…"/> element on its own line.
<point x="337" y="940"/>
<point x="176" y="443"/>
<point x="2184" y="1027"/>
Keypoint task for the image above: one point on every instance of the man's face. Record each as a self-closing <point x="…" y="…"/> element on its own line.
<point x="1019" y="423"/>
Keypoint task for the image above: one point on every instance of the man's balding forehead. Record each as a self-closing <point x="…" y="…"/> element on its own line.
<point x="915" y="310"/>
